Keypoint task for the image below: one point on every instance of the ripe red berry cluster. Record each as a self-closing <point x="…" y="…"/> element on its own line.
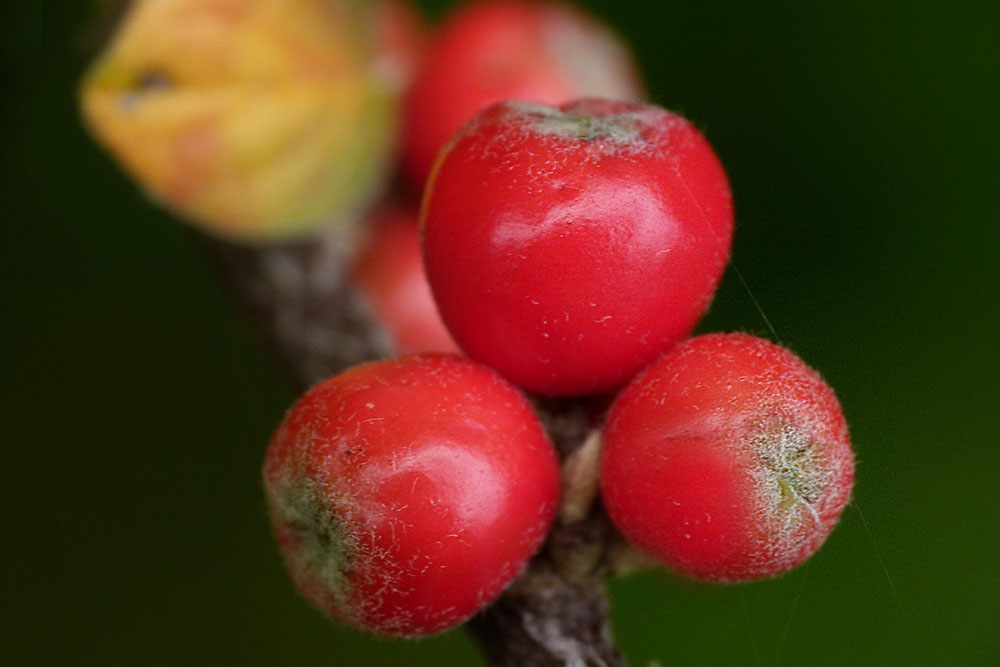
<point x="570" y="250"/>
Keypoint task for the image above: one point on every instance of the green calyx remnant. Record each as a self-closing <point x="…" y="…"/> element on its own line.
<point x="585" y="128"/>
<point x="791" y="473"/>
<point x="618" y="130"/>
<point x="325" y="554"/>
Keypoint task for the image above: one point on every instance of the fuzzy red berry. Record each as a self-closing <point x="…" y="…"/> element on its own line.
<point x="390" y="271"/>
<point x="728" y="459"/>
<point x="502" y="49"/>
<point x="568" y="247"/>
<point x="406" y="494"/>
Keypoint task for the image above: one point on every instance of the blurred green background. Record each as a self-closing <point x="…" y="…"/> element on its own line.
<point x="862" y="142"/>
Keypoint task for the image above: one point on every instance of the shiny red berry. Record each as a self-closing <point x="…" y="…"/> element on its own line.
<point x="728" y="459"/>
<point x="389" y="269"/>
<point x="568" y="247"/>
<point x="406" y="494"/>
<point x="494" y="50"/>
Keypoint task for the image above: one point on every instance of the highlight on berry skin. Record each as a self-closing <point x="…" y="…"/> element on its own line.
<point x="728" y="459"/>
<point x="406" y="494"/>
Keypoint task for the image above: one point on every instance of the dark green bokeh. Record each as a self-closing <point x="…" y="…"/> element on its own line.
<point x="862" y="143"/>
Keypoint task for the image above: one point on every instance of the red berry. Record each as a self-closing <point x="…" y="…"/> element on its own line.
<point x="390" y="271"/>
<point x="502" y="49"/>
<point x="728" y="459"/>
<point x="568" y="247"/>
<point x="406" y="494"/>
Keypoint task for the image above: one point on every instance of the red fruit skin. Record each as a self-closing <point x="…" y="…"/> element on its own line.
<point x="401" y="37"/>
<point x="495" y="50"/>
<point x="568" y="247"/>
<point x="728" y="459"/>
<point x="406" y="494"/>
<point x="390" y="272"/>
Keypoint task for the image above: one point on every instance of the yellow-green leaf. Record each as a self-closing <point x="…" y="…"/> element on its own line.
<point x="256" y="120"/>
